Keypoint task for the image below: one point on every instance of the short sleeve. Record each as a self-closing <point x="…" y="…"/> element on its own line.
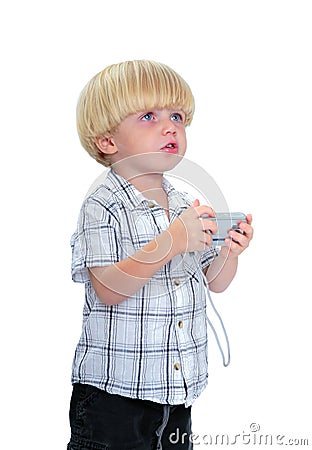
<point x="95" y="242"/>
<point x="208" y="256"/>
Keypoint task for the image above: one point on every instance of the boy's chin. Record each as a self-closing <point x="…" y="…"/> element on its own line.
<point x="162" y="161"/>
<point x="158" y="162"/>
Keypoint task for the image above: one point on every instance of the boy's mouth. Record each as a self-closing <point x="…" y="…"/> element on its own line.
<point x="171" y="147"/>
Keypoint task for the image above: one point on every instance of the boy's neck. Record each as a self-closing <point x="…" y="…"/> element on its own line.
<point x="142" y="182"/>
<point x="147" y="182"/>
<point x="151" y="186"/>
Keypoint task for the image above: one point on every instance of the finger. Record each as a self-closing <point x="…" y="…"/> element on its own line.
<point x="210" y="225"/>
<point x="207" y="239"/>
<point x="239" y="238"/>
<point x="195" y="203"/>
<point x="234" y="247"/>
<point x="205" y="211"/>
<point x="247" y="229"/>
<point x="249" y="218"/>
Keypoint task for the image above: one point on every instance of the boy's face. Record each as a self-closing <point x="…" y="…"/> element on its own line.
<point x="157" y="137"/>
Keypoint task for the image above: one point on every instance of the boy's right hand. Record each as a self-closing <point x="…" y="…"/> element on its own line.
<point x="188" y="231"/>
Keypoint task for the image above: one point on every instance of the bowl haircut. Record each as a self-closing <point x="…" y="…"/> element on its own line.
<point x="123" y="89"/>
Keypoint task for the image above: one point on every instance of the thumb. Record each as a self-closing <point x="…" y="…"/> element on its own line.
<point x="195" y="203"/>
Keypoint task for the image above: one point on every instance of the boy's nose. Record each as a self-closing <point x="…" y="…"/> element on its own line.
<point x="168" y="127"/>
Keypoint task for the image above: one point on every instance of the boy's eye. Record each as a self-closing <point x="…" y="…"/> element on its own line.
<point x="147" y="116"/>
<point x="177" y="117"/>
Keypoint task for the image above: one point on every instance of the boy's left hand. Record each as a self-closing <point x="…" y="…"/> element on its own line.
<point x="234" y="249"/>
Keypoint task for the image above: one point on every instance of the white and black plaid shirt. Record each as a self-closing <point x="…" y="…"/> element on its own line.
<point x="153" y="345"/>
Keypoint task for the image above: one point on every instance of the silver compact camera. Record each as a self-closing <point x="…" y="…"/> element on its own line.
<point x="226" y="222"/>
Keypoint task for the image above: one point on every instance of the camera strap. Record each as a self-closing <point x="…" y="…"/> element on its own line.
<point x="217" y="326"/>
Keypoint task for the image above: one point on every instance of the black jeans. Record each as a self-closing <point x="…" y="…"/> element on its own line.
<point x="104" y="421"/>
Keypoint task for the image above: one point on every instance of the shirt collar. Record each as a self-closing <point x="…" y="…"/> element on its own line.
<point x="131" y="197"/>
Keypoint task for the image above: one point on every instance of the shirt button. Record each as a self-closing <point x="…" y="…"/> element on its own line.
<point x="151" y="204"/>
<point x="176" y="282"/>
<point x="177" y="366"/>
<point x="180" y="324"/>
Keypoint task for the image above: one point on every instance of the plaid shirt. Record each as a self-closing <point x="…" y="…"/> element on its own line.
<point x="153" y="345"/>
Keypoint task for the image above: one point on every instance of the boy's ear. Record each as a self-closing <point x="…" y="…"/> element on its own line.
<point x="106" y="145"/>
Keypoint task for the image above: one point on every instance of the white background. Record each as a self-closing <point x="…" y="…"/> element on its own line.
<point x="249" y="65"/>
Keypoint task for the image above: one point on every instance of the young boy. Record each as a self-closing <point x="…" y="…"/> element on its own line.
<point x="143" y="252"/>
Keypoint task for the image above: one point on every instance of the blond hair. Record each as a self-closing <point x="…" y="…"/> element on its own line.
<point x="123" y="89"/>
